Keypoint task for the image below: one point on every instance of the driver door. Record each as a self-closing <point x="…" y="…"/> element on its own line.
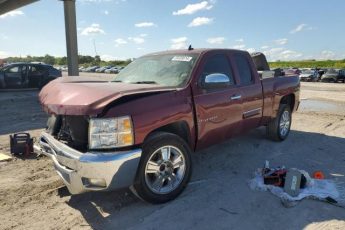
<point x="219" y="107"/>
<point x="13" y="76"/>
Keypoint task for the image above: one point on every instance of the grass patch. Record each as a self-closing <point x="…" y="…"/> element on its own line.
<point x="338" y="64"/>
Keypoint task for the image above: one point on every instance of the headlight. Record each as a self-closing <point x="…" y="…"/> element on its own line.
<point x="107" y="133"/>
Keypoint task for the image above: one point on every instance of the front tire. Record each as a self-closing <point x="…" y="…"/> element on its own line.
<point x="165" y="168"/>
<point x="279" y="128"/>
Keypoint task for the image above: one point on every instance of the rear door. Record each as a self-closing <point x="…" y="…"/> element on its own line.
<point x="218" y="110"/>
<point x="250" y="88"/>
<point x="37" y="74"/>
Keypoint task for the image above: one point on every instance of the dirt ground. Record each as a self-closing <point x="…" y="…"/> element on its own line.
<point x="33" y="197"/>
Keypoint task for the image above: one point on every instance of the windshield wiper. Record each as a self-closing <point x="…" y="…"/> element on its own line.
<point x="116" y="81"/>
<point x="144" y="82"/>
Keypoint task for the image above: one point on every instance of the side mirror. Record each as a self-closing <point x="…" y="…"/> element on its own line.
<point x="216" y="80"/>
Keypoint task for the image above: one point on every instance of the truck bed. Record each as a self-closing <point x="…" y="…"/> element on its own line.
<point x="274" y="88"/>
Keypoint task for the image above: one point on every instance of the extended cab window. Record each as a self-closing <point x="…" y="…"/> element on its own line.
<point x="218" y="64"/>
<point x="244" y="70"/>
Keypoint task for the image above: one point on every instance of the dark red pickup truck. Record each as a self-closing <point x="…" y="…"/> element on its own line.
<point x="140" y="129"/>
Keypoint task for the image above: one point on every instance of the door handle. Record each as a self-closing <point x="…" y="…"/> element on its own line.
<point x="236" y="97"/>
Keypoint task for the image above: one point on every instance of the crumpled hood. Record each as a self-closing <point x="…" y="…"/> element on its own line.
<point x="88" y="96"/>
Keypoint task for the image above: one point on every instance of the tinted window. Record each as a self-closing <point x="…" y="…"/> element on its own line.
<point x="24" y="67"/>
<point x="218" y="64"/>
<point x="14" y="69"/>
<point x="53" y="71"/>
<point x="244" y="69"/>
<point x="37" y="69"/>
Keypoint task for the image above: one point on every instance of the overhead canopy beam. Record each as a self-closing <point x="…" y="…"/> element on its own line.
<point x="8" y="5"/>
<point x="70" y="28"/>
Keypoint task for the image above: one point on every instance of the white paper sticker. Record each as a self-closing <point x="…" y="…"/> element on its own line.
<point x="182" y="58"/>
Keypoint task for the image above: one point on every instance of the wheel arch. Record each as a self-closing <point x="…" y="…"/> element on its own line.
<point x="288" y="100"/>
<point x="179" y="128"/>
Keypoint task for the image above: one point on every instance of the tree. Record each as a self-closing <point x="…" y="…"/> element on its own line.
<point x="62" y="61"/>
<point x="49" y="59"/>
<point x="97" y="59"/>
<point x="85" y="59"/>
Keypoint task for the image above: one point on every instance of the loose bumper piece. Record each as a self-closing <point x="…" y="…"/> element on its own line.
<point x="90" y="171"/>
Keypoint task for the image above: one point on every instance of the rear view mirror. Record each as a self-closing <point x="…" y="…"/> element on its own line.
<point x="216" y="80"/>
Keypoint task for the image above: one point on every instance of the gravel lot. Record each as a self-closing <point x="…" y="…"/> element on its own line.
<point x="33" y="197"/>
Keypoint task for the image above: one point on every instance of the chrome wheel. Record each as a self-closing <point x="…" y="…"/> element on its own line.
<point x="284" y="124"/>
<point x="165" y="170"/>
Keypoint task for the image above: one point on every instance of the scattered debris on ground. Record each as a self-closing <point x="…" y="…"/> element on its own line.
<point x="293" y="185"/>
<point x="4" y="157"/>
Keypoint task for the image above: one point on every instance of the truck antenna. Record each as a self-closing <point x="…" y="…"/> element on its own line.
<point x="190" y="47"/>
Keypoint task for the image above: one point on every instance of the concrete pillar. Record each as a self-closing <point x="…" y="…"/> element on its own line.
<point x="71" y="37"/>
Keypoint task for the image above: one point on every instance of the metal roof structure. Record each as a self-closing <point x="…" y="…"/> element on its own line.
<point x="8" y="5"/>
<point x="70" y="28"/>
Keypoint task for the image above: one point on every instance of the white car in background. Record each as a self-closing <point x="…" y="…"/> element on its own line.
<point x="309" y="75"/>
<point x="112" y="70"/>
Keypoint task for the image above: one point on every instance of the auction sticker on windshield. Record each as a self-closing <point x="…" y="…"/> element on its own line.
<point x="182" y="58"/>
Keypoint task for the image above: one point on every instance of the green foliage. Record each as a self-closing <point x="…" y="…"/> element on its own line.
<point x="49" y="59"/>
<point x="97" y="60"/>
<point x="84" y="60"/>
<point x="338" y="64"/>
<point x="61" y="61"/>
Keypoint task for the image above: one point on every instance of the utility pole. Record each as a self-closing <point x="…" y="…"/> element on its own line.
<point x="94" y="46"/>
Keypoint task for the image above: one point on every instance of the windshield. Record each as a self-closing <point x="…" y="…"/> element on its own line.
<point x="172" y="70"/>
<point x="331" y="71"/>
<point x="291" y="71"/>
<point x="308" y="72"/>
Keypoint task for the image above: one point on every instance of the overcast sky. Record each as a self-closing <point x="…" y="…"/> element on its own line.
<point x="121" y="29"/>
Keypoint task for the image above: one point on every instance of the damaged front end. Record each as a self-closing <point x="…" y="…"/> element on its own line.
<point x="90" y="151"/>
<point x="70" y="130"/>
<point x="90" y="171"/>
<point x="66" y="142"/>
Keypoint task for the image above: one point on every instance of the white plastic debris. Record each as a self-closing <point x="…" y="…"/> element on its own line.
<point x="326" y="190"/>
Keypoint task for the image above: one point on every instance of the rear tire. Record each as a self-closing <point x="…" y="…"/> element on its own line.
<point x="165" y="168"/>
<point x="279" y="128"/>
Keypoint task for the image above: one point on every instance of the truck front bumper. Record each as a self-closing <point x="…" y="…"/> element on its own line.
<point x="90" y="171"/>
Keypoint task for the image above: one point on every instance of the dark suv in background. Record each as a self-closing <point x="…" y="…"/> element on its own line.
<point x="27" y="75"/>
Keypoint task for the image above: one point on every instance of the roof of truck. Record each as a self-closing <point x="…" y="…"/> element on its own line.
<point x="193" y="51"/>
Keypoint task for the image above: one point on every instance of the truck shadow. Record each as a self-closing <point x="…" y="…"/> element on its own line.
<point x="233" y="161"/>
